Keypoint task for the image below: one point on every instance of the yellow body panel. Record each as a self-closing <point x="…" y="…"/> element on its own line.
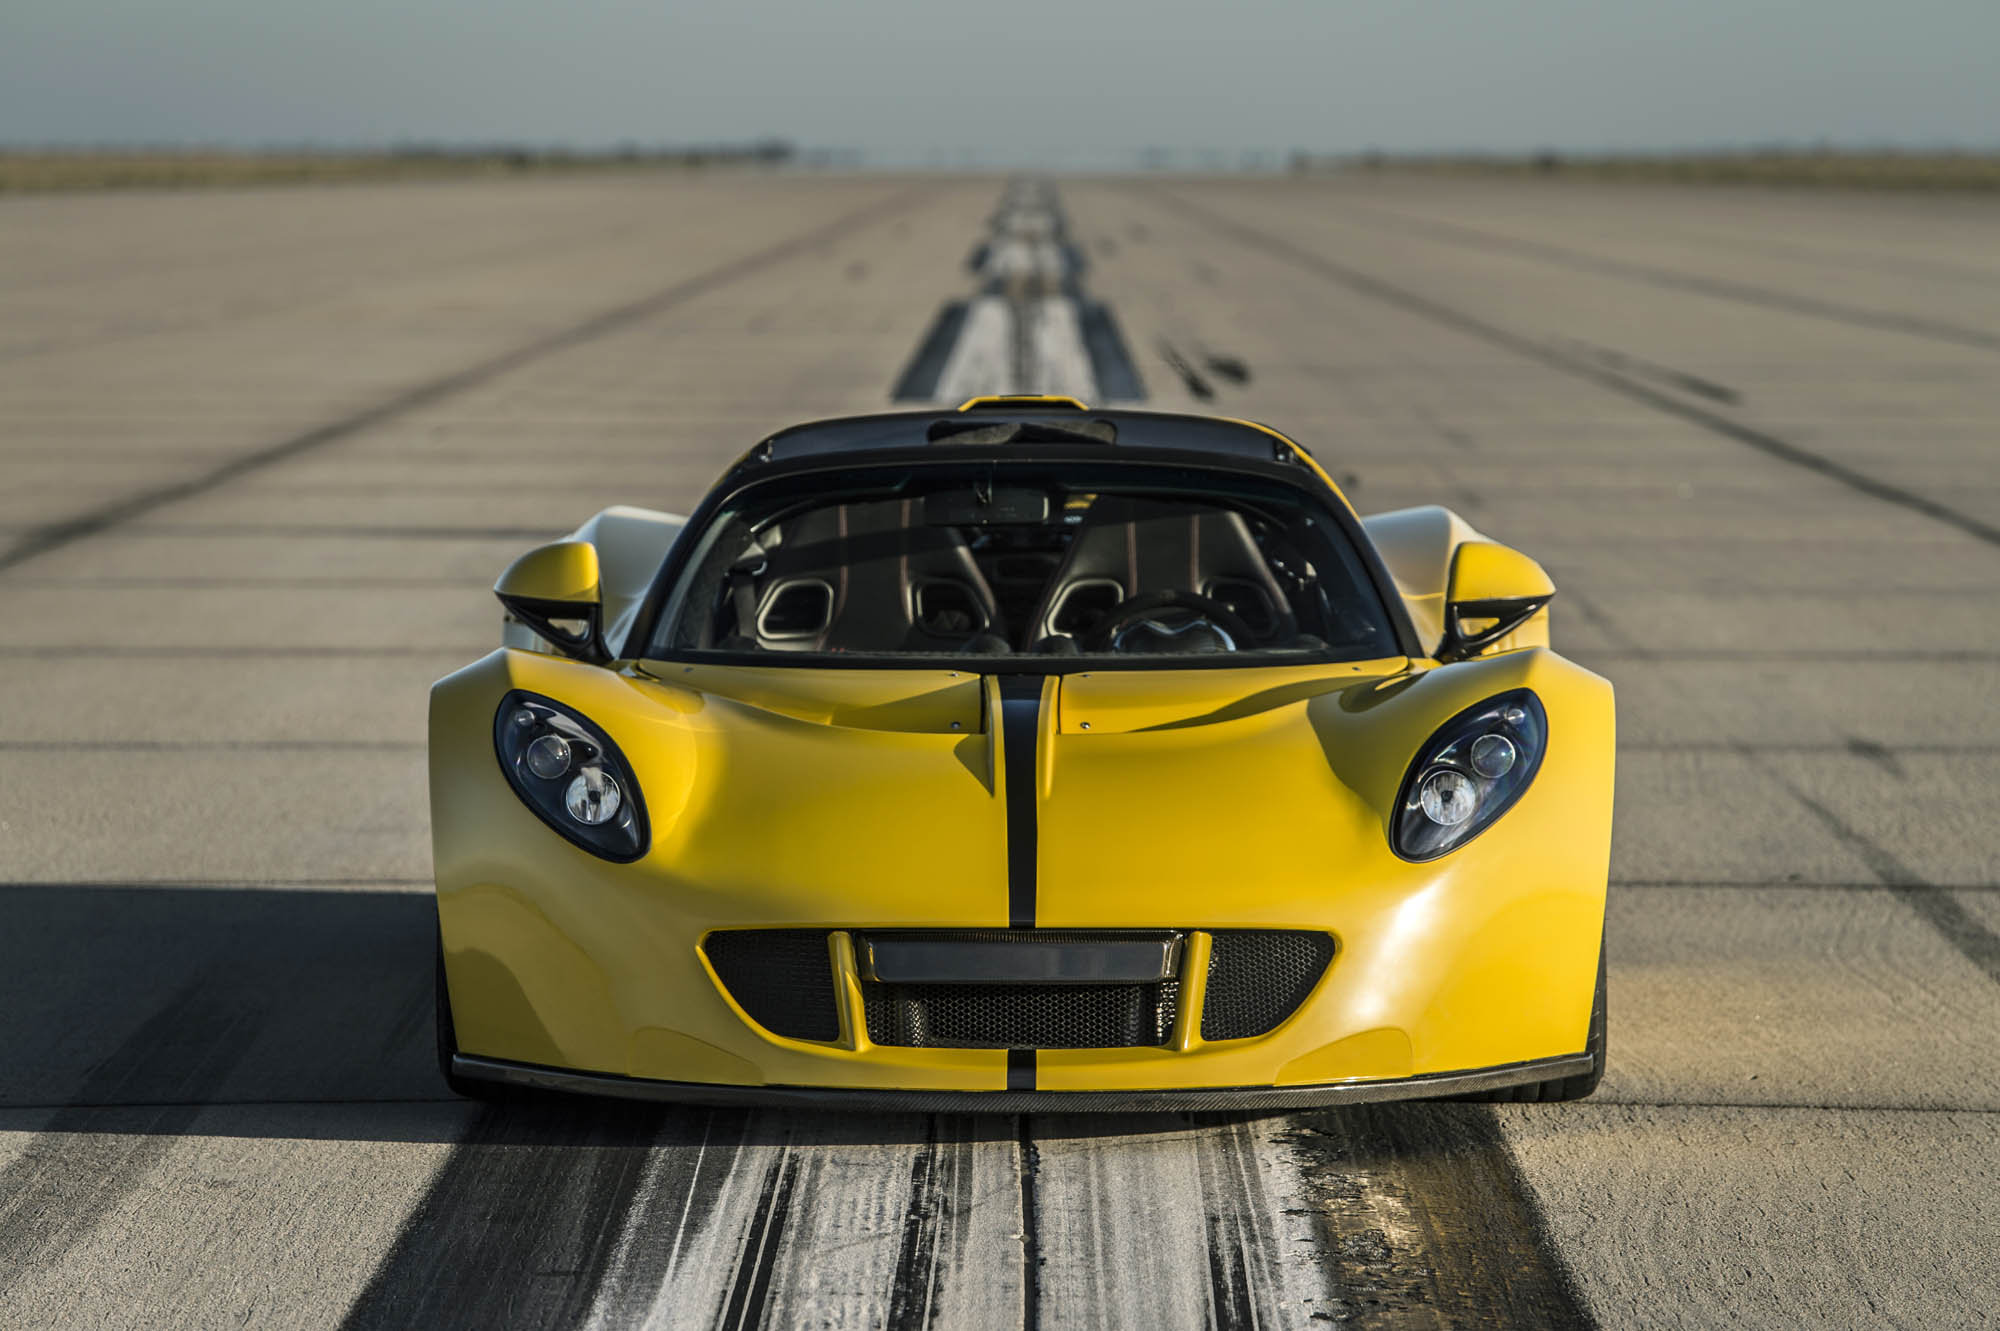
<point x="1192" y="799"/>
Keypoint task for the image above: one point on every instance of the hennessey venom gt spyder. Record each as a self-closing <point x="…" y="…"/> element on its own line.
<point x="1023" y="757"/>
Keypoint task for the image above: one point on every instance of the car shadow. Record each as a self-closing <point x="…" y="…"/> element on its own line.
<point x="294" y="1012"/>
<point x="284" y="1011"/>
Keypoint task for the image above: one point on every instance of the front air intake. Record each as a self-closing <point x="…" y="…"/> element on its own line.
<point x="1259" y="977"/>
<point x="783" y="978"/>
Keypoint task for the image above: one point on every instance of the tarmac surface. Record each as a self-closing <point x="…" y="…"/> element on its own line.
<point x="263" y="451"/>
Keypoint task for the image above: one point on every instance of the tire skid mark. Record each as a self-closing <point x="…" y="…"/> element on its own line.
<point x="1437" y="312"/>
<point x="1190" y="377"/>
<point x="1674" y="279"/>
<point x="962" y="1196"/>
<point x="1032" y="327"/>
<point x="671" y="1210"/>
<point x="1176" y="1220"/>
<point x="919" y="379"/>
<point x="1274" y="1270"/>
<point x="913" y="1287"/>
<point x="1238" y="1247"/>
<point x="900" y="1220"/>
<point x="1666" y="374"/>
<point x="1428" y="1221"/>
<point x="1931" y="903"/>
<point x="750" y="1291"/>
<point x="62" y="1186"/>
<point x="118" y="512"/>
<point x="780" y="1219"/>
<point x="521" y="1224"/>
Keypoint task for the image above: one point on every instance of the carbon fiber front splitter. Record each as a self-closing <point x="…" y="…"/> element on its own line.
<point x="528" y="1075"/>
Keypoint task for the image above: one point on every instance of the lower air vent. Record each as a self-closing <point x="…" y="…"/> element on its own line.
<point x="782" y="977"/>
<point x="1021" y="1016"/>
<point x="1258" y="977"/>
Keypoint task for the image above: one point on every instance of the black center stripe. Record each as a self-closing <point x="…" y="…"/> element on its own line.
<point x="1020" y="725"/>
<point x="1020" y="722"/>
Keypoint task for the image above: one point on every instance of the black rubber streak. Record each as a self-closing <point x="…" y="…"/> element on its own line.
<point x="1934" y="905"/>
<point x="1111" y="362"/>
<point x="1672" y="279"/>
<point x="520" y="1226"/>
<point x="1681" y="379"/>
<point x="751" y="1291"/>
<point x="686" y="1187"/>
<point x="919" y="380"/>
<point x="1388" y="293"/>
<point x="1242" y="1261"/>
<point x="1190" y="377"/>
<point x="1481" y="1256"/>
<point x="56" y="535"/>
<point x="913" y="1288"/>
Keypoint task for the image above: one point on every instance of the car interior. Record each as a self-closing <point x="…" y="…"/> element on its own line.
<point x="1012" y="571"/>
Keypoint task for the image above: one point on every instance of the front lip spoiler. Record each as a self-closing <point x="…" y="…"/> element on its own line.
<point x="1472" y="1081"/>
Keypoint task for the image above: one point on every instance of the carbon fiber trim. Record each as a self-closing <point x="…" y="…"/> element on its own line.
<point x="1020" y="1102"/>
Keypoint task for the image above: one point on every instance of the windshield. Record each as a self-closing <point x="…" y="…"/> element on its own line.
<point x="1113" y="563"/>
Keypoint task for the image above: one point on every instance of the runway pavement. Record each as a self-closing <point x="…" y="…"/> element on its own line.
<point x="263" y="451"/>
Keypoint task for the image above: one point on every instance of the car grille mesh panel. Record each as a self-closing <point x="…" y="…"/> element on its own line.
<point x="782" y="977"/>
<point x="1258" y="977"/>
<point x="1021" y="1016"/>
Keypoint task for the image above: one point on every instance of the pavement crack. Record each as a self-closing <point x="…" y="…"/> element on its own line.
<point x="1031" y="1239"/>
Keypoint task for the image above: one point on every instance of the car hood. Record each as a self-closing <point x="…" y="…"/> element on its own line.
<point x="811" y="796"/>
<point x="1160" y="796"/>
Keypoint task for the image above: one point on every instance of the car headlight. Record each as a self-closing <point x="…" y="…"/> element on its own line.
<point x="1469" y="773"/>
<point x="569" y="772"/>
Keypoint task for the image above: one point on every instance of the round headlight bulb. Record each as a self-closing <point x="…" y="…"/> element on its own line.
<point x="1448" y="797"/>
<point x="1493" y="756"/>
<point x="548" y="757"/>
<point x="593" y="797"/>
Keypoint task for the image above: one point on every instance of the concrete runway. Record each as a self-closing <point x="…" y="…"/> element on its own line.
<point x="264" y="451"/>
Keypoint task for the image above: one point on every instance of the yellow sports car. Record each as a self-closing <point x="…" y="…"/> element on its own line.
<point x="1023" y="757"/>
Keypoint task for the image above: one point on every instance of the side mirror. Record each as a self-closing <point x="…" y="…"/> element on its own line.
<point x="554" y="591"/>
<point x="1493" y="590"/>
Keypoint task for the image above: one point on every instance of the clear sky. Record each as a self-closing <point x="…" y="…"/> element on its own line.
<point x="1084" y="82"/>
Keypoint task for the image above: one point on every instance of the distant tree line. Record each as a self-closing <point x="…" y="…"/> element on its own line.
<point x="161" y="166"/>
<point x="1778" y="164"/>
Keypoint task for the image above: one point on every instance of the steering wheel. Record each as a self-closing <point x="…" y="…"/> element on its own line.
<point x="1171" y="614"/>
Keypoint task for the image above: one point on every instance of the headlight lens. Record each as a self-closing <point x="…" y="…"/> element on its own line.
<point x="571" y="774"/>
<point x="1469" y="773"/>
<point x="593" y="798"/>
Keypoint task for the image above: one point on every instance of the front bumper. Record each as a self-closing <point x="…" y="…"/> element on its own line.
<point x="1433" y="1086"/>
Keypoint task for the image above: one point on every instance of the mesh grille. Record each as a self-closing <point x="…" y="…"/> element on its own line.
<point x="782" y="977"/>
<point x="1021" y="1016"/>
<point x="1258" y="977"/>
